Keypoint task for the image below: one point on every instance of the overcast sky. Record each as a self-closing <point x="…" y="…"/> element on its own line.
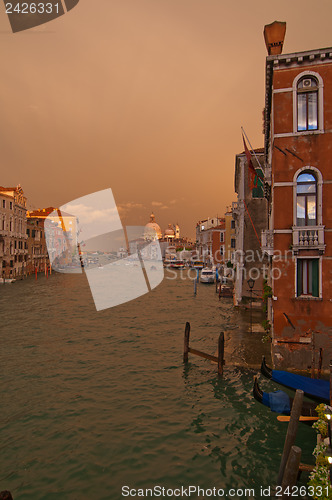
<point x="146" y="97"/>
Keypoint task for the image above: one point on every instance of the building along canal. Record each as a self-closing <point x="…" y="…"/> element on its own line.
<point x="94" y="401"/>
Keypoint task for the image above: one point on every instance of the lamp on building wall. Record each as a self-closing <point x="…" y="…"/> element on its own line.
<point x="251" y="284"/>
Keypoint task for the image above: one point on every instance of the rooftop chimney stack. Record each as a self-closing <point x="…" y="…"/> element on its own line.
<point x="274" y="35"/>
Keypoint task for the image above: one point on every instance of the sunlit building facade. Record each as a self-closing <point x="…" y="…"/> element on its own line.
<point x="298" y="137"/>
<point x="13" y="244"/>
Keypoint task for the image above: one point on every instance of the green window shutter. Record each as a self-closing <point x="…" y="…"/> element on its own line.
<point x="258" y="191"/>
<point x="299" y="277"/>
<point x="315" y="277"/>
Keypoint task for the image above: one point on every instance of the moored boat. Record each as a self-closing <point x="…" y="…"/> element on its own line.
<point x="280" y="402"/>
<point x="207" y="275"/>
<point x="197" y="264"/>
<point x="174" y="264"/>
<point x="226" y="291"/>
<point x="316" y="389"/>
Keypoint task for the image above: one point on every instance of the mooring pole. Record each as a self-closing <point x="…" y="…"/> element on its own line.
<point x="186" y="342"/>
<point x="320" y="362"/>
<point x="221" y="348"/>
<point x="291" y="470"/>
<point x="313" y="355"/>
<point x="195" y="286"/>
<point x="291" y="433"/>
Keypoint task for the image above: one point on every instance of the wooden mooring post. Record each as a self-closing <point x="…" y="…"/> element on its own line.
<point x="291" y="470"/>
<point x="291" y="433"/>
<point x="219" y="359"/>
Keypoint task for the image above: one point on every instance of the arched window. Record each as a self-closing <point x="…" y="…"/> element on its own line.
<point x="307" y="104"/>
<point x="306" y="200"/>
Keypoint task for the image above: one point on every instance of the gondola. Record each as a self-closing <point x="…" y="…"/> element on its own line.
<point x="316" y="389"/>
<point x="280" y="402"/>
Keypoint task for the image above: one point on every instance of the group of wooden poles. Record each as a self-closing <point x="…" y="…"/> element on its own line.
<point x="216" y="359"/>
<point x="290" y="465"/>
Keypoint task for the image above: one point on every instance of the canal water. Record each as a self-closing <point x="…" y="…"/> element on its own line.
<point x="94" y="401"/>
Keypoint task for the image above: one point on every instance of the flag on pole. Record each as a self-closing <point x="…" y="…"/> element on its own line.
<point x="255" y="178"/>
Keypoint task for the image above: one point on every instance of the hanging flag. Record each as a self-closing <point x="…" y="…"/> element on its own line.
<point x="255" y="178"/>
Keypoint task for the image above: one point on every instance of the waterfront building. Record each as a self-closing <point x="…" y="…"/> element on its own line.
<point x="250" y="215"/>
<point x="210" y="240"/>
<point x="37" y="250"/>
<point x="230" y="237"/>
<point x="61" y="238"/>
<point x="298" y="241"/>
<point x="13" y="244"/>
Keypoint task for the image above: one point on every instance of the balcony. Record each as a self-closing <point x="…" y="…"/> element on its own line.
<point x="235" y="208"/>
<point x="308" y="238"/>
<point x="267" y="241"/>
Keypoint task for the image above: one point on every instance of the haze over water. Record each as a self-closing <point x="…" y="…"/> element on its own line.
<point x="91" y="401"/>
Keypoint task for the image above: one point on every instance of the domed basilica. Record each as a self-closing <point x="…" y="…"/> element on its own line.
<point x="171" y="233"/>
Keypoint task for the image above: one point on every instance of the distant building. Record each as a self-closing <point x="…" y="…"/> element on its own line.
<point x="250" y="215"/>
<point x="13" y="244"/>
<point x="61" y="237"/>
<point x="210" y="240"/>
<point x="169" y="234"/>
<point x="230" y="237"/>
<point x="154" y="226"/>
<point x="170" y="242"/>
<point x="37" y="250"/>
<point x="298" y="241"/>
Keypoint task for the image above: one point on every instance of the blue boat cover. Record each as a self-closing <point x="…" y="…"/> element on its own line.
<point x="278" y="401"/>
<point x="318" y="388"/>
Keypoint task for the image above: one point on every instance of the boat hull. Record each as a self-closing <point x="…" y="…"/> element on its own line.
<point x="319" y="390"/>
<point x="280" y="402"/>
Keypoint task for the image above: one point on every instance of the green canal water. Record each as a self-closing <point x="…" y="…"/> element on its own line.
<point x="93" y="401"/>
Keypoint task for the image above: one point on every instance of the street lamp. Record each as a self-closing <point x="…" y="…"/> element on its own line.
<point x="251" y="284"/>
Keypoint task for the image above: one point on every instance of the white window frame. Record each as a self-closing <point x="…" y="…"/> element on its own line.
<point x="319" y="194"/>
<point x="320" y="109"/>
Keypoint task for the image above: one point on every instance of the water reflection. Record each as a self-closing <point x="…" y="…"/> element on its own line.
<point x="92" y="401"/>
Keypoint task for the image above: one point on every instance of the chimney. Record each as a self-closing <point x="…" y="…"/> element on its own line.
<point x="274" y="35"/>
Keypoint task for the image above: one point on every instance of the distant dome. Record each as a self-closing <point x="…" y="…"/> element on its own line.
<point x="170" y="231"/>
<point x="153" y="226"/>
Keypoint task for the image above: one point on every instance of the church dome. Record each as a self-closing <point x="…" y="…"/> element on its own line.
<point x="153" y="226"/>
<point x="170" y="231"/>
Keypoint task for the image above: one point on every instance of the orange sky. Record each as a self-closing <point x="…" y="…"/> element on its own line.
<point x="144" y="96"/>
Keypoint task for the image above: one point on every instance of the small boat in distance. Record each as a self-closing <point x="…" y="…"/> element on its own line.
<point x="174" y="264"/>
<point x="207" y="275"/>
<point x="7" y="280"/>
<point x="317" y="389"/>
<point x="197" y="264"/>
<point x="177" y="264"/>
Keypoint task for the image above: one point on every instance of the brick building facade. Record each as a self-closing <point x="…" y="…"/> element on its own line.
<point x="298" y="139"/>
